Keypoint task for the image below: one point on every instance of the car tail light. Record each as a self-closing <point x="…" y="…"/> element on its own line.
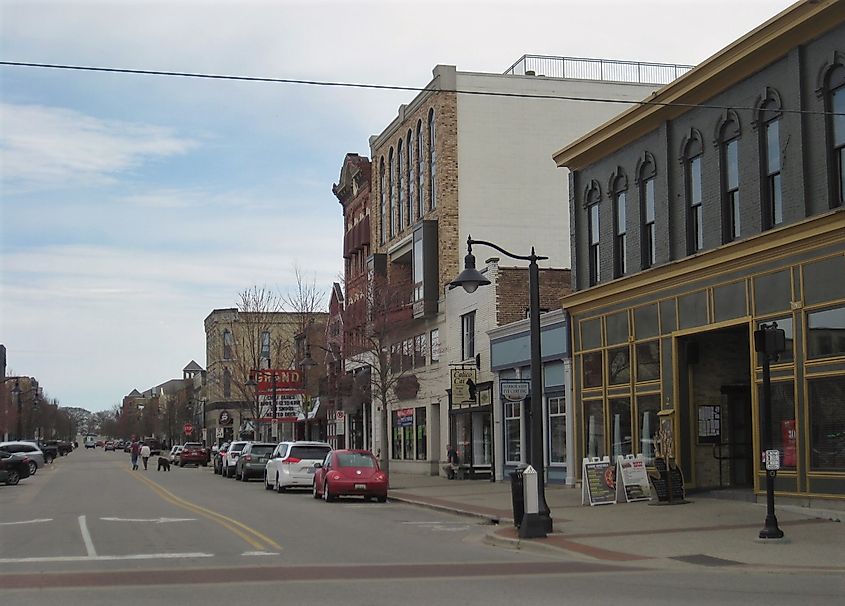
<point x="247" y="457"/>
<point x="290" y="460"/>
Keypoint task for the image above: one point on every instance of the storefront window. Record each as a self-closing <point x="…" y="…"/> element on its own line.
<point x="647" y="409"/>
<point x="648" y="361"/>
<point x="482" y="445"/>
<point x="408" y="440"/>
<point x="463" y="436"/>
<point x="826" y="333"/>
<point x="422" y="440"/>
<point x="782" y="414"/>
<point x="620" y="419"/>
<point x="557" y="429"/>
<point x="827" y="423"/>
<point x="619" y="366"/>
<point x="592" y="369"/>
<point x="513" y="445"/>
<point x="594" y="428"/>
<point x="396" y="451"/>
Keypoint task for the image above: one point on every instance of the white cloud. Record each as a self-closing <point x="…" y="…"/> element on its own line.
<point x="47" y="146"/>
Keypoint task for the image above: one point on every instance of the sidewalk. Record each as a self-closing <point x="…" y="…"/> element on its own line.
<point x="704" y="532"/>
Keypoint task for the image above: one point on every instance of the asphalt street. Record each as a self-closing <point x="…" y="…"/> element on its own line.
<point x="91" y="530"/>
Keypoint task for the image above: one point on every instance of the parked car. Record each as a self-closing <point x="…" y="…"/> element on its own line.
<point x="36" y="457"/>
<point x="13" y="467"/>
<point x="50" y="449"/>
<point x="193" y="453"/>
<point x="174" y="454"/>
<point x="109" y="446"/>
<point x="253" y="460"/>
<point x="230" y="459"/>
<point x="154" y="444"/>
<point x="292" y="464"/>
<point x="350" y="472"/>
<point x="217" y="457"/>
<point x="65" y="447"/>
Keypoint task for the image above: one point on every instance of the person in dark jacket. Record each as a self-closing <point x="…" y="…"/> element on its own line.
<point x="134" y="452"/>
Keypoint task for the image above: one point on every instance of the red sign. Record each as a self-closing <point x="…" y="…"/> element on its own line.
<point x="189" y="429"/>
<point x="287" y="381"/>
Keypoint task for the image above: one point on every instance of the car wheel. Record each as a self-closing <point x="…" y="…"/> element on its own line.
<point x="204" y="464"/>
<point x="181" y="463"/>
<point x="13" y="478"/>
<point x="48" y="459"/>
<point x="280" y="488"/>
<point x="244" y="476"/>
<point x="314" y="492"/>
<point x="33" y="467"/>
<point x="327" y="495"/>
<point x="382" y="498"/>
<point x="266" y="485"/>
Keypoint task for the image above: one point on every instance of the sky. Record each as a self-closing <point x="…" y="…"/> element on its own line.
<point x="133" y="205"/>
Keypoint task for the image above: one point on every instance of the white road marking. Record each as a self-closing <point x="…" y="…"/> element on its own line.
<point x="260" y="553"/>
<point x="441" y="526"/>
<point x="153" y="520"/>
<point x="27" y="522"/>
<point x="139" y="556"/>
<point x="86" y="537"/>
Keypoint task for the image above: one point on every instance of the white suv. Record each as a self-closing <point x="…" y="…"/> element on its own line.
<point x="230" y="461"/>
<point x="292" y="464"/>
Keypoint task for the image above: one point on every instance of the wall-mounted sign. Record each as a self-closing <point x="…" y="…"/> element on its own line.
<point x="225" y="418"/>
<point x="405" y="417"/>
<point x="287" y="381"/>
<point x="709" y="424"/>
<point x="514" y="390"/>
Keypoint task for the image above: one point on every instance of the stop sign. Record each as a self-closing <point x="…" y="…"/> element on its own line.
<point x="189" y="429"/>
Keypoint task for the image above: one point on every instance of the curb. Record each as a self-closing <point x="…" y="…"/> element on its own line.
<point x="449" y="509"/>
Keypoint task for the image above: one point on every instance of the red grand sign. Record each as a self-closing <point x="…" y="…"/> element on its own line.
<point x="287" y="381"/>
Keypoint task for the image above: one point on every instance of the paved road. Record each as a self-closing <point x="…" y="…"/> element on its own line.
<point x="92" y="531"/>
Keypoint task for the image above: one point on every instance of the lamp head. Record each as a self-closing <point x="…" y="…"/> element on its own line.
<point x="470" y="278"/>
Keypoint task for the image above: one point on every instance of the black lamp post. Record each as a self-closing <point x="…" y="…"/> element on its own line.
<point x="16" y="391"/>
<point x="470" y="279"/>
<point x="307" y="364"/>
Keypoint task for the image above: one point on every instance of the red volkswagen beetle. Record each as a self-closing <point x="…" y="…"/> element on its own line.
<point x="350" y="472"/>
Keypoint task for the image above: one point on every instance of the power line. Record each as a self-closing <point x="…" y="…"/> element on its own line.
<point x="330" y="83"/>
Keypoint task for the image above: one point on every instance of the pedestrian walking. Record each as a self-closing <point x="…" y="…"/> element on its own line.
<point x="145" y="455"/>
<point x="134" y="452"/>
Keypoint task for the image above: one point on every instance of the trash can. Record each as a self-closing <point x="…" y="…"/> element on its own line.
<point x="518" y="496"/>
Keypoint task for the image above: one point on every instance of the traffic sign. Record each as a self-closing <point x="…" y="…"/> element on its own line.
<point x="188" y="428"/>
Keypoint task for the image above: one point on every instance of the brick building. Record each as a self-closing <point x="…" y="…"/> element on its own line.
<point x="695" y="224"/>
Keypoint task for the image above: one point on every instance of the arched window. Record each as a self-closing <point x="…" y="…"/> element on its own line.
<point x="835" y="104"/>
<point x="432" y="162"/>
<point x="412" y="183"/>
<point x="227" y="383"/>
<point x="729" y="134"/>
<point x="382" y="220"/>
<point x="647" y="172"/>
<point x="400" y="186"/>
<point x="391" y="194"/>
<point x="770" y="155"/>
<point x="619" y="194"/>
<point x="592" y="200"/>
<point x="228" y="341"/>
<point x="693" y="152"/>
<point x="420" y="169"/>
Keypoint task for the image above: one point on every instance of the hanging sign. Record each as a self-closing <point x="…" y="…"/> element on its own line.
<point x="631" y="479"/>
<point x="462" y="378"/>
<point x="514" y="390"/>
<point x="598" y="481"/>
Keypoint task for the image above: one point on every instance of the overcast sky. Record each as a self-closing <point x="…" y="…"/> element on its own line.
<point x="131" y="206"/>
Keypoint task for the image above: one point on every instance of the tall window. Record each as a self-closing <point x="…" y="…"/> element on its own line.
<point x="468" y="336"/>
<point x="227" y="383"/>
<point x="420" y="169"/>
<point x="836" y="132"/>
<point x="432" y="162"/>
<point x="557" y="429"/>
<point x="434" y="345"/>
<point x="513" y="432"/>
<point x="620" y="262"/>
<point x="400" y="186"/>
<point x="647" y="235"/>
<point x="391" y="193"/>
<point x="730" y="182"/>
<point x="382" y="202"/>
<point x="265" y="349"/>
<point x="593" y="199"/>
<point x="695" y="225"/>
<point x="228" y="342"/>
<point x="771" y="161"/>
<point x="409" y="151"/>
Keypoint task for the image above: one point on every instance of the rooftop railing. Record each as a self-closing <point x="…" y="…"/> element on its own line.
<point x="606" y="70"/>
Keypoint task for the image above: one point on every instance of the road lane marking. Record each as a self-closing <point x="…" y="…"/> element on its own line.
<point x="260" y="553"/>
<point x="106" y="558"/>
<point x="153" y="520"/>
<point x="86" y="537"/>
<point x="250" y="535"/>
<point x="27" y="522"/>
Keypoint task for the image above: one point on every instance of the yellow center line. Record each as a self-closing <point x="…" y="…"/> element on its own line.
<point x="224" y="521"/>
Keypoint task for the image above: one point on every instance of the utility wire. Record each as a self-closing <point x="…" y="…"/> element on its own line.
<point x="329" y="83"/>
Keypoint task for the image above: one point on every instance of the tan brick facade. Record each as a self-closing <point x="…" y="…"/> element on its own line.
<point x="512" y="293"/>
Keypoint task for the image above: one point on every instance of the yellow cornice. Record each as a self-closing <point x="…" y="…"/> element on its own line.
<point x="808" y="234"/>
<point x="797" y="24"/>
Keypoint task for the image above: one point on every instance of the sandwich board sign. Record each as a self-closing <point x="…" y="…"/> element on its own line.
<point x="631" y="479"/>
<point x="598" y="481"/>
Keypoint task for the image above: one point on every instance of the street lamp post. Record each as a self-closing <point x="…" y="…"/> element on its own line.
<point x="16" y="391"/>
<point x="307" y="364"/>
<point x="470" y="279"/>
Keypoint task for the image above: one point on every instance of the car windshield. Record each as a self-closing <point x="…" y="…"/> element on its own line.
<point x="316" y="453"/>
<point x="262" y="449"/>
<point x="191" y="445"/>
<point x="355" y="459"/>
<point x="237" y="447"/>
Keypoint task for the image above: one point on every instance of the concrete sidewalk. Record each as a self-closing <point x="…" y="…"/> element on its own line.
<point x="705" y="532"/>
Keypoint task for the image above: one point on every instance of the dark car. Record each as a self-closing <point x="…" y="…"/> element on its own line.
<point x="253" y="460"/>
<point x="193" y="453"/>
<point x="219" y="454"/>
<point x="13" y="467"/>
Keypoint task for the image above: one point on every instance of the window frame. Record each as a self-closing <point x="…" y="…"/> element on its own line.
<point x="468" y="336"/>
<point x="593" y="210"/>
<point x="620" y="213"/>
<point x="432" y="161"/>
<point x="382" y="204"/>
<point x="835" y="86"/>
<point x="400" y="189"/>
<point x="694" y="191"/>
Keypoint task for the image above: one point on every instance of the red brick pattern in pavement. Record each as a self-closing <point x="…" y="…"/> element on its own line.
<point x="564" y="542"/>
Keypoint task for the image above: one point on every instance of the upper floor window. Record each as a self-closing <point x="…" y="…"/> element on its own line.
<point x="771" y="160"/>
<point x="228" y="342"/>
<point x="835" y="103"/>
<point x="412" y="185"/>
<point x="434" y="344"/>
<point x="620" y="203"/>
<point x="729" y="157"/>
<point x="468" y="336"/>
<point x="420" y="169"/>
<point x="227" y="383"/>
<point x="382" y="202"/>
<point x="391" y="194"/>
<point x="693" y="152"/>
<point x="593" y="199"/>
<point x="432" y="162"/>
<point x="400" y="188"/>
<point x="647" y="174"/>
<point x="265" y="348"/>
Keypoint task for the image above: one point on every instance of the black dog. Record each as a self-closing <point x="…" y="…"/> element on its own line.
<point x="163" y="463"/>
